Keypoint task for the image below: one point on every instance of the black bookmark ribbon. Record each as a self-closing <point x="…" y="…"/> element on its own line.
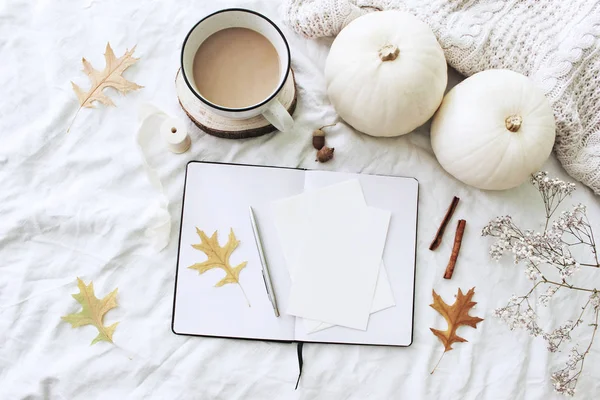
<point x="300" y="363"/>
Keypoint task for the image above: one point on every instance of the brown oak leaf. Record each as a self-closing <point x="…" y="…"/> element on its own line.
<point x="110" y="76"/>
<point x="456" y="315"/>
<point x="218" y="257"/>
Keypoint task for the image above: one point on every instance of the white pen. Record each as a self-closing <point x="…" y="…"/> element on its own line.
<point x="265" y="267"/>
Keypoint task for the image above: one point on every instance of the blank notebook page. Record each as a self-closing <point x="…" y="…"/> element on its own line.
<point x="217" y="197"/>
<point x="392" y="326"/>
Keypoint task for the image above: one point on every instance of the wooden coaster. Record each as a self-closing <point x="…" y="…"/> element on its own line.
<point x="227" y="128"/>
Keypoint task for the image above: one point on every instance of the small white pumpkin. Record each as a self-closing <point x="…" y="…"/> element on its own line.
<point x="386" y="73"/>
<point x="493" y="130"/>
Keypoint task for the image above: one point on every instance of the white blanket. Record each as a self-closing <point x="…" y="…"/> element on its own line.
<point x="74" y="205"/>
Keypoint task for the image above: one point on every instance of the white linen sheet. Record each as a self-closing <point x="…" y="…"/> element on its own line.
<point x="74" y="205"/>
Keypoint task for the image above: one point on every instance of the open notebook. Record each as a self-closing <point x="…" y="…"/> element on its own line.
<point x="217" y="198"/>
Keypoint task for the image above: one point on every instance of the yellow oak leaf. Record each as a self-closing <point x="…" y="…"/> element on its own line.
<point x="218" y="257"/>
<point x="93" y="311"/>
<point x="456" y="315"/>
<point x="110" y="76"/>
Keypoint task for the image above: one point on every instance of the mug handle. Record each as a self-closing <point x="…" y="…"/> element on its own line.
<point x="278" y="116"/>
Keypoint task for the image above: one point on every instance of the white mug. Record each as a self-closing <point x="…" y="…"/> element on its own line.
<point x="270" y="107"/>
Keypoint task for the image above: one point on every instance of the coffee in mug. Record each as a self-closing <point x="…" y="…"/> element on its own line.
<point x="236" y="67"/>
<point x="237" y="61"/>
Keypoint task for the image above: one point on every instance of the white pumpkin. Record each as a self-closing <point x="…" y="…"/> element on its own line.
<point x="493" y="130"/>
<point x="386" y="73"/>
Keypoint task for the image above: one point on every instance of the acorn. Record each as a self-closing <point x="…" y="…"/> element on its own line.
<point x="325" y="154"/>
<point x="318" y="139"/>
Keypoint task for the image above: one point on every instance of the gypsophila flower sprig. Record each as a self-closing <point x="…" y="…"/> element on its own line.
<point x="544" y="254"/>
<point x="553" y="191"/>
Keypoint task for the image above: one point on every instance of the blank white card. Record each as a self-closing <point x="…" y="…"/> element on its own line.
<point x="337" y="264"/>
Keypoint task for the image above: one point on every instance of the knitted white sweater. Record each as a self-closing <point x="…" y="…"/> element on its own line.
<point x="555" y="42"/>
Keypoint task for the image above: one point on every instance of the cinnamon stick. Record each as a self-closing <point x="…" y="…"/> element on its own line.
<point x="437" y="240"/>
<point x="460" y="230"/>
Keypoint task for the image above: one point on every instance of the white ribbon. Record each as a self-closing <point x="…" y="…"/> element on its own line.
<point x="150" y="119"/>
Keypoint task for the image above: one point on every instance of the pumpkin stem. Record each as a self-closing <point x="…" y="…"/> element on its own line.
<point x="513" y="123"/>
<point x="389" y="52"/>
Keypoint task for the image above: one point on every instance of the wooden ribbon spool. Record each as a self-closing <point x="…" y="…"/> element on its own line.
<point x="228" y="128"/>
